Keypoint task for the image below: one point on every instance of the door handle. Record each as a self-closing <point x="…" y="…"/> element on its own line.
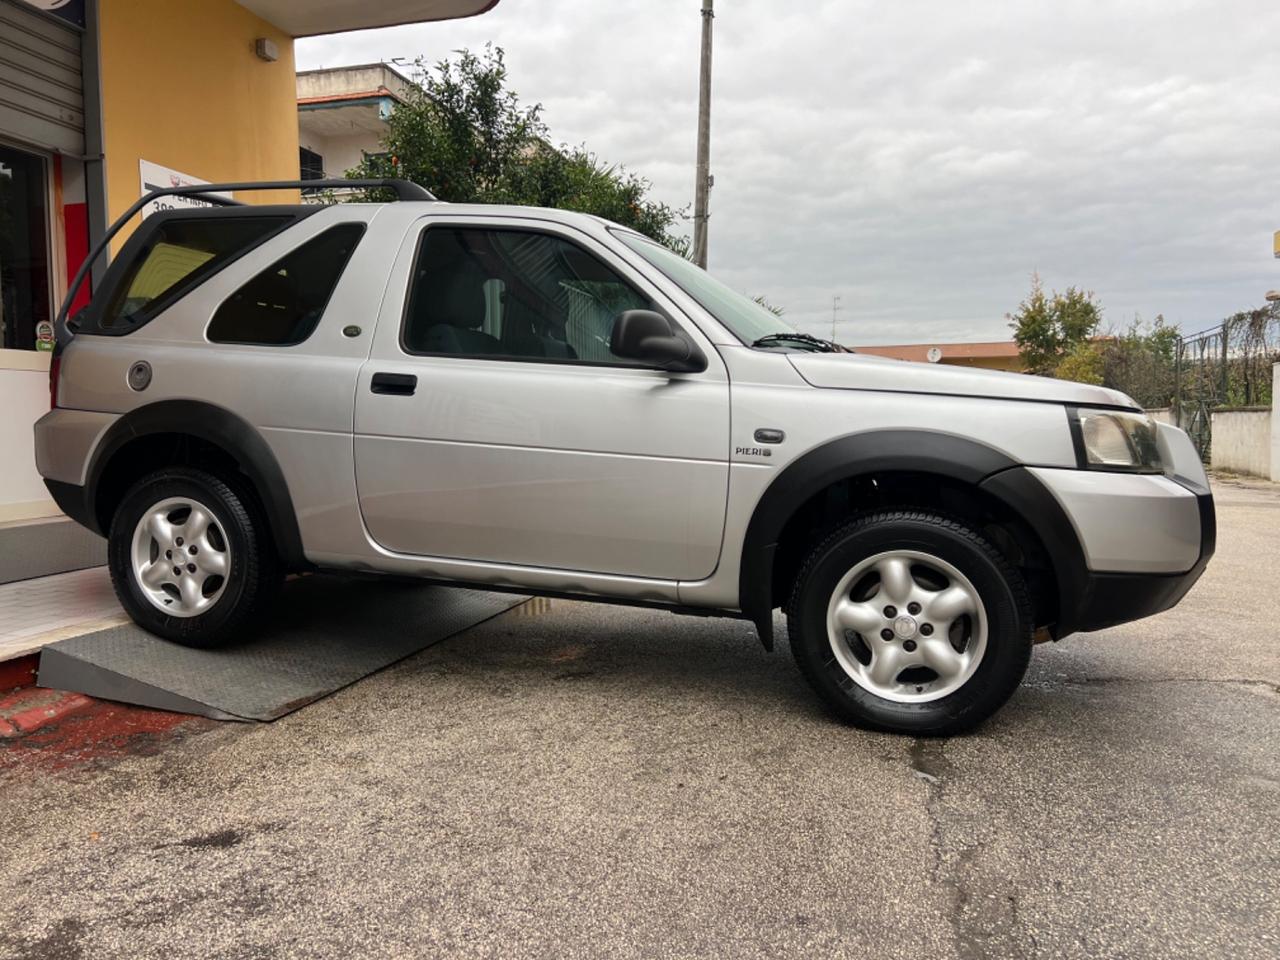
<point x="395" y="384"/>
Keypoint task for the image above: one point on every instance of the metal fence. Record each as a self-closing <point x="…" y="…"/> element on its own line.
<point x="1225" y="366"/>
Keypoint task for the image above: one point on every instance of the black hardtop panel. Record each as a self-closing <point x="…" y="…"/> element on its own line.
<point x="98" y="317"/>
<point x="93" y="318"/>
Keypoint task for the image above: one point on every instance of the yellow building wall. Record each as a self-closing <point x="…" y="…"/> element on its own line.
<point x="183" y="88"/>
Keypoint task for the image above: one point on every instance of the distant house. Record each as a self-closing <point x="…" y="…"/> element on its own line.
<point x="342" y="115"/>
<point x="989" y="354"/>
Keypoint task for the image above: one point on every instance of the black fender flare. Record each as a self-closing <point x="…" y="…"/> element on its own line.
<point x="225" y="430"/>
<point x="904" y="451"/>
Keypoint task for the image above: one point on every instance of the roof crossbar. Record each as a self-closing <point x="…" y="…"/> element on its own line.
<point x="209" y="192"/>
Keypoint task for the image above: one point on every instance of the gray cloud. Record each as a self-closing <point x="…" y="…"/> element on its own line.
<point x="922" y="159"/>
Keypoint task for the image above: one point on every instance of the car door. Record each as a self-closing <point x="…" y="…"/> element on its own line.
<point x="493" y="423"/>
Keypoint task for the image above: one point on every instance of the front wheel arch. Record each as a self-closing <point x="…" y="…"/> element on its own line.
<point x="828" y="485"/>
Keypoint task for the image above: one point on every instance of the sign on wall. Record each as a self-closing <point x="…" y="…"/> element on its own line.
<point x="70" y="10"/>
<point x="156" y="177"/>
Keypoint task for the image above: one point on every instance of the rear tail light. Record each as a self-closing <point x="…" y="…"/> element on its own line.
<point x="55" y="370"/>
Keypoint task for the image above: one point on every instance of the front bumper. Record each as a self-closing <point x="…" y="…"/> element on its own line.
<point x="1144" y="540"/>
<point x="1112" y="598"/>
<point x="1120" y="547"/>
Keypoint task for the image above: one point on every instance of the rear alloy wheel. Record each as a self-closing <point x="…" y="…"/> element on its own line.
<point x="910" y="622"/>
<point x="191" y="559"/>
<point x="181" y="557"/>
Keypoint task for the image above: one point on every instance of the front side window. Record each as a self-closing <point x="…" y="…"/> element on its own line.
<point x="177" y="256"/>
<point x="513" y="294"/>
<point x="282" y="305"/>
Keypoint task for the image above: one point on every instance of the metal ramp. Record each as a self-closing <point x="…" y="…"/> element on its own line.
<point x="326" y="632"/>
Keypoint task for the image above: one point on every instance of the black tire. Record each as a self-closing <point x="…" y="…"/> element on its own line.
<point x="998" y="584"/>
<point x="252" y="577"/>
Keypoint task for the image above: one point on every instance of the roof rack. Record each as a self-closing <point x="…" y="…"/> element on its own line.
<point x="209" y="192"/>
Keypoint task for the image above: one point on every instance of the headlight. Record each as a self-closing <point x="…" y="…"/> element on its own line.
<point x="1114" y="440"/>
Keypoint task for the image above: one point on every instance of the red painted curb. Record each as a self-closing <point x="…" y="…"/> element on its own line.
<point x="33" y="718"/>
<point x="19" y="672"/>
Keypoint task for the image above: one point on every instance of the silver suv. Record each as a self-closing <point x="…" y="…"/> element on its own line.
<point x="545" y="402"/>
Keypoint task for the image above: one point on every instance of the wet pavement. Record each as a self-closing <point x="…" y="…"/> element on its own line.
<point x="576" y="780"/>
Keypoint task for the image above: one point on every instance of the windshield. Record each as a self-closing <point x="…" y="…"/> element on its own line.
<point x="747" y="320"/>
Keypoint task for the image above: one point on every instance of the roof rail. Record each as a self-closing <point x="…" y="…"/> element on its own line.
<point x="209" y="192"/>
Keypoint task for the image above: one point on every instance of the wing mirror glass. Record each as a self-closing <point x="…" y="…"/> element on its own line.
<point x="649" y="338"/>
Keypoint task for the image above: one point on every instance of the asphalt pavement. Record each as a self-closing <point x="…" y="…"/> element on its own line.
<point x="578" y="780"/>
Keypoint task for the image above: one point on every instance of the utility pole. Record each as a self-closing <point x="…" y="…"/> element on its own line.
<point x="703" y="184"/>
<point x="835" y="308"/>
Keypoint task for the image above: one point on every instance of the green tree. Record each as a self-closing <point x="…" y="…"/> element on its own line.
<point x="1083" y="364"/>
<point x="464" y="135"/>
<point x="1047" y="327"/>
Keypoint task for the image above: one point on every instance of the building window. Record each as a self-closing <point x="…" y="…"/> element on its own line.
<point x="311" y="163"/>
<point x="282" y="305"/>
<point x="24" y="249"/>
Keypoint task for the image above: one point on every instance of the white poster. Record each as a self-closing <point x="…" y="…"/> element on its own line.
<point x="156" y="177"/>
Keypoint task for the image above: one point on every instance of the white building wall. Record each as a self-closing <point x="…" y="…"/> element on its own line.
<point x="338" y="81"/>
<point x="1275" y="421"/>
<point x="1242" y="441"/>
<point x="314" y="142"/>
<point x="340" y="153"/>
<point x="347" y="152"/>
<point x="24" y="398"/>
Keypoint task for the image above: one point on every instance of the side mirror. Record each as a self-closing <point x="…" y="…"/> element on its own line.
<point x="649" y="338"/>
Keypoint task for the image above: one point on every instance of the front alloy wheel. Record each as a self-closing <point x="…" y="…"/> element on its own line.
<point x="907" y="626"/>
<point x="910" y="622"/>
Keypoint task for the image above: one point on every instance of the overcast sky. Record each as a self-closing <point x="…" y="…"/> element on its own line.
<point x="918" y="159"/>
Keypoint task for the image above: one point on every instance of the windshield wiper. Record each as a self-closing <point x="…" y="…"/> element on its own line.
<point x="822" y="346"/>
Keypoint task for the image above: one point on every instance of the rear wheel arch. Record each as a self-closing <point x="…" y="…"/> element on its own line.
<point x="907" y="468"/>
<point x="193" y="433"/>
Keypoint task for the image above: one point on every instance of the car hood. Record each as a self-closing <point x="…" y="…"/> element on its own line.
<point x="855" y="371"/>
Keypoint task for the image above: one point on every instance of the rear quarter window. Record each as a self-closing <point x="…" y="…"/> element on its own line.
<point x="177" y="256"/>
<point x="282" y="305"/>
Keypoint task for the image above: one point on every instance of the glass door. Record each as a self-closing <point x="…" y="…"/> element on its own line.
<point x="25" y="313"/>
